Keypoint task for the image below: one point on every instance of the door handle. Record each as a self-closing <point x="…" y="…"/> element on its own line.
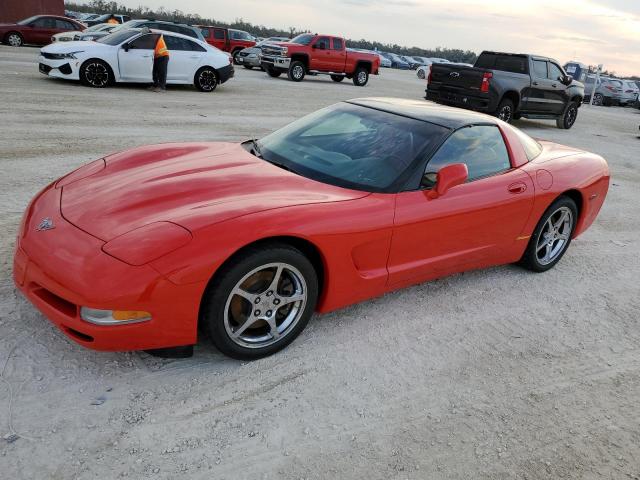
<point x="194" y="56"/>
<point x="553" y="85"/>
<point x="535" y="84"/>
<point x="517" y="187"/>
<point x="146" y="56"/>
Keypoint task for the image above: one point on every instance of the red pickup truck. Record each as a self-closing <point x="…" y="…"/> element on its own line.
<point x="227" y="39"/>
<point x="318" y="54"/>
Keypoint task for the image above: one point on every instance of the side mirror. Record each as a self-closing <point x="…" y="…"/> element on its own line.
<point x="567" y="80"/>
<point x="448" y="177"/>
<point x="126" y="47"/>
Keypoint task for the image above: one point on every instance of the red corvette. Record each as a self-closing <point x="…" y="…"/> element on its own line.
<point x="139" y="249"/>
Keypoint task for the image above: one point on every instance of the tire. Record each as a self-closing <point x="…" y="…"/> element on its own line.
<point x="96" y="73"/>
<point x="234" y="55"/>
<point x="598" y="99"/>
<point x="272" y="72"/>
<point x="296" y="71"/>
<point x="421" y="74"/>
<point x="553" y="249"/>
<point x="248" y="67"/>
<point x="250" y="324"/>
<point x="361" y="77"/>
<point x="206" y="79"/>
<point x="337" y="78"/>
<point x="506" y="110"/>
<point x="14" y="39"/>
<point x="569" y="117"/>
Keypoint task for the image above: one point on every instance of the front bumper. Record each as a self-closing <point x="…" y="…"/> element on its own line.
<point x="275" y="61"/>
<point x="62" y="269"/>
<point x="64" y="68"/>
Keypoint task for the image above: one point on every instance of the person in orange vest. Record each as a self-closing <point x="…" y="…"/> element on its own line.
<point x="113" y="20"/>
<point x="160" y="62"/>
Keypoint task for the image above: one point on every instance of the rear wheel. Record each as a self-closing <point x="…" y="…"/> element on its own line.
<point x="260" y="302"/>
<point x="421" y="74"/>
<point x="235" y="57"/>
<point x="505" y="110"/>
<point x="552" y="236"/>
<point x="361" y="77"/>
<point x="206" y="79"/>
<point x="96" y="73"/>
<point x="598" y="99"/>
<point x="297" y="71"/>
<point x="14" y="39"/>
<point x="337" y="78"/>
<point x="569" y="117"/>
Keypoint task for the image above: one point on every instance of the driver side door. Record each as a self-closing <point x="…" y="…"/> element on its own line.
<point x="472" y="225"/>
<point x="135" y="59"/>
<point x="321" y="55"/>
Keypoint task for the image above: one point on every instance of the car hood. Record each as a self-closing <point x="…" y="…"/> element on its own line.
<point x="193" y="184"/>
<point x="72" y="46"/>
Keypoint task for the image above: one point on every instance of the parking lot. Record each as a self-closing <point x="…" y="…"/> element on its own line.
<point x="490" y="374"/>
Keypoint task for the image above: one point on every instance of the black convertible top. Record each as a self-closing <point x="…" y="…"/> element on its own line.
<point x="448" y="117"/>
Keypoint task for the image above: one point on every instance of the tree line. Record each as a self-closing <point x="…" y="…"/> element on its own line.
<point x="103" y="6"/>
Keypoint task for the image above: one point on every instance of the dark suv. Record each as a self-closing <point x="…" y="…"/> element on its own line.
<point x="161" y="25"/>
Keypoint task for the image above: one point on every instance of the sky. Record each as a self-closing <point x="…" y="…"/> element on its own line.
<point x="590" y="31"/>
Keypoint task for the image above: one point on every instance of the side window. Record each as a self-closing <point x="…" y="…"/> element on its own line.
<point x="62" y="25"/>
<point x="540" y="68"/>
<point x="177" y="43"/>
<point x="194" y="47"/>
<point x="480" y="148"/>
<point x="322" y="41"/>
<point x="337" y="44"/>
<point x="509" y="63"/>
<point x="188" y="32"/>
<point x="554" y="71"/>
<point x="205" y="32"/>
<point x="145" y="42"/>
<point x="45" y="22"/>
<point x="218" y="34"/>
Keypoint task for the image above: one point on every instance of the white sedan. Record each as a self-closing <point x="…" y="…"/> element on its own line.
<point x="127" y="56"/>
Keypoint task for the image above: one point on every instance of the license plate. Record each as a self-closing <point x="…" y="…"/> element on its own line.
<point x="239" y="59"/>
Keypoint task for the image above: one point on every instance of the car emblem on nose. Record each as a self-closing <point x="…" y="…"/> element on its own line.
<point x="454" y="74"/>
<point x="45" y="224"/>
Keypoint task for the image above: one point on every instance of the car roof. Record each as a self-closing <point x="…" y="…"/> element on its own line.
<point x="174" y="34"/>
<point x="444" y="116"/>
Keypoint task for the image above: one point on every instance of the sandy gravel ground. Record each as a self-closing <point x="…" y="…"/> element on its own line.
<point x="493" y="374"/>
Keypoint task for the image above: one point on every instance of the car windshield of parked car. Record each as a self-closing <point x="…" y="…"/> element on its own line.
<point x="351" y="146"/>
<point x="116" y="38"/>
<point x="27" y="21"/>
<point x="304" y="39"/>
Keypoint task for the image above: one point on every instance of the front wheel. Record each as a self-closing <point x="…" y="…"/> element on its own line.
<point x="361" y="77"/>
<point x="421" y="74"/>
<point x="96" y="73"/>
<point x="552" y="236"/>
<point x="505" y="110"/>
<point x="598" y="99"/>
<point x="260" y="302"/>
<point x="273" y="72"/>
<point x="337" y="78"/>
<point x="206" y="79"/>
<point x="569" y="117"/>
<point x="248" y="67"/>
<point x="296" y="71"/>
<point x="14" y="39"/>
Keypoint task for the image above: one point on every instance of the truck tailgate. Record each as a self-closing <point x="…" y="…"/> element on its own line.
<point x="457" y="76"/>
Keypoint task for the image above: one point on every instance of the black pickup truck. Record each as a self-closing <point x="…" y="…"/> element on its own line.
<point x="509" y="86"/>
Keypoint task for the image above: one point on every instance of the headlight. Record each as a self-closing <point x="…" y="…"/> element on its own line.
<point x="148" y="243"/>
<point x="113" y="317"/>
<point x="62" y="56"/>
<point x="284" y="50"/>
<point x="252" y="55"/>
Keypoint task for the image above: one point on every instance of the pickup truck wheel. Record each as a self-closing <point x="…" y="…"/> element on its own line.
<point x="505" y="110"/>
<point x="337" y="78"/>
<point x="566" y="121"/>
<point x="361" y="77"/>
<point x="272" y="72"/>
<point x="296" y="71"/>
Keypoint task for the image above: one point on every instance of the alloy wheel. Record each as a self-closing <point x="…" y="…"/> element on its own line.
<point x="207" y="80"/>
<point x="597" y="99"/>
<point x="14" y="40"/>
<point x="572" y="115"/>
<point x="265" y="305"/>
<point x="554" y="236"/>
<point x="96" y="74"/>
<point x="505" y="113"/>
<point x="362" y="77"/>
<point x="298" y="72"/>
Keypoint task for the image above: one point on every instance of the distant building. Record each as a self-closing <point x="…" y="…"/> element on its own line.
<point x="14" y="10"/>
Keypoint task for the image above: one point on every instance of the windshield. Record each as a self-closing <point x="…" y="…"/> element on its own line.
<point x="304" y="39"/>
<point x="26" y="21"/>
<point x="351" y="146"/>
<point x="116" y="38"/>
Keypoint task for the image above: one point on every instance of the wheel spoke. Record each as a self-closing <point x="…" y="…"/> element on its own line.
<point x="292" y="299"/>
<point x="273" y="286"/>
<point x="561" y="220"/>
<point x="541" y="246"/>
<point x="250" y="321"/>
<point x="547" y="253"/>
<point x="250" y="297"/>
<point x="273" y="327"/>
<point x="563" y="236"/>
